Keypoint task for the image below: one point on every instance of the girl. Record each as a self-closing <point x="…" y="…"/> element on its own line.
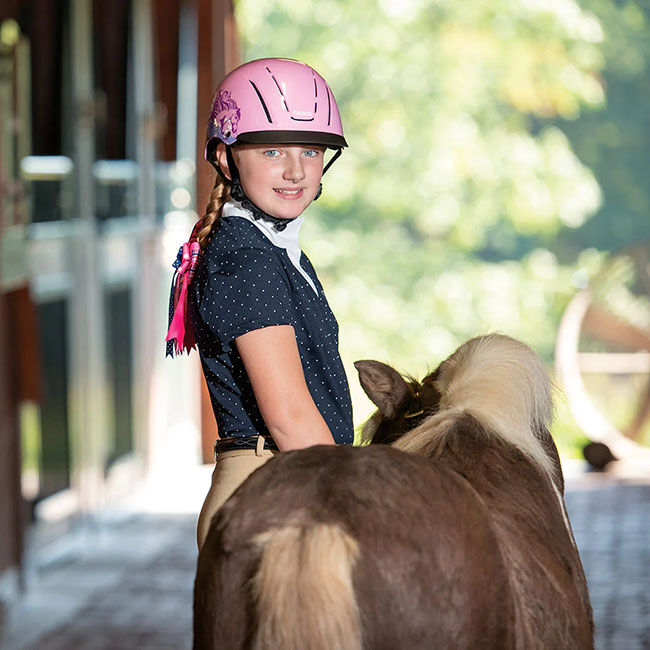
<point x="267" y="338"/>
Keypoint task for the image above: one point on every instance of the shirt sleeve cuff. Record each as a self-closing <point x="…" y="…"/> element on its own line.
<point x="249" y="326"/>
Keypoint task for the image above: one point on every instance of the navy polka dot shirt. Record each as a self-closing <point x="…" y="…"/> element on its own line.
<point x="243" y="283"/>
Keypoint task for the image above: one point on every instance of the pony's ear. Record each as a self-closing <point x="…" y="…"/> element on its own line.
<point x="386" y="388"/>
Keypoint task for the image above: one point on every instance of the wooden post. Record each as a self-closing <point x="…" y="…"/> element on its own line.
<point x="11" y="515"/>
<point x="218" y="53"/>
<point x="18" y="357"/>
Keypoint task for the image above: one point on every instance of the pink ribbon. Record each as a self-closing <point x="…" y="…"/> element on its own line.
<point x="180" y="336"/>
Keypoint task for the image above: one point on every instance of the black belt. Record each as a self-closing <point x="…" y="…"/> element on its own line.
<point x="235" y="443"/>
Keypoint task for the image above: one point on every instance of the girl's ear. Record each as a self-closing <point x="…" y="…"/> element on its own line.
<point x="383" y="385"/>
<point x="222" y="160"/>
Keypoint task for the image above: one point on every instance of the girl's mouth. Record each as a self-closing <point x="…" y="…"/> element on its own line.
<point x="289" y="194"/>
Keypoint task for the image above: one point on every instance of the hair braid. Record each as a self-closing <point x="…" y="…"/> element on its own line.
<point x="219" y="195"/>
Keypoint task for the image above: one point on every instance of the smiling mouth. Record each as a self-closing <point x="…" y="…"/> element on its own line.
<point x="289" y="193"/>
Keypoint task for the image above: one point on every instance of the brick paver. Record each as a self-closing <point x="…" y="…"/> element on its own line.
<point x="134" y="589"/>
<point x="612" y="529"/>
<point x="144" y="570"/>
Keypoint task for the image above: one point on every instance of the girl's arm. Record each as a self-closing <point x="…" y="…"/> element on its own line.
<point x="272" y="361"/>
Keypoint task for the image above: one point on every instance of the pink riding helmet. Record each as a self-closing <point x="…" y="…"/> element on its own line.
<point x="274" y="101"/>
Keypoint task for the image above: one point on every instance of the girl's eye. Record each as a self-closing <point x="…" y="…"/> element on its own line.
<point x="312" y="153"/>
<point x="271" y="153"/>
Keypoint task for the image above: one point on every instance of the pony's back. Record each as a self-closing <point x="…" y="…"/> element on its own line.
<point x="407" y="534"/>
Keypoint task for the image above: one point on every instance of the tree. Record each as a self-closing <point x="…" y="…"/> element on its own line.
<point x="459" y="206"/>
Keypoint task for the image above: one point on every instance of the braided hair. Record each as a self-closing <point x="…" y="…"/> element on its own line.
<point x="218" y="197"/>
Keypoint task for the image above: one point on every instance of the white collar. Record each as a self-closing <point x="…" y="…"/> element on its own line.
<point x="287" y="238"/>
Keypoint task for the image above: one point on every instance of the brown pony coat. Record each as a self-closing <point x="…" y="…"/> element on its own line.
<point x="462" y="543"/>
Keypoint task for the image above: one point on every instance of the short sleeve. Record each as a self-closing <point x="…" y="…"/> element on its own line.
<point x="249" y="291"/>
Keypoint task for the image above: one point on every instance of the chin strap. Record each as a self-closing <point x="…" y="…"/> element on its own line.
<point x="339" y="151"/>
<point x="237" y="194"/>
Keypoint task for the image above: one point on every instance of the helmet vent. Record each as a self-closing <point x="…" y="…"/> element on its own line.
<point x="315" y="94"/>
<point x="329" y="108"/>
<point x="284" y="101"/>
<point x="259" y="96"/>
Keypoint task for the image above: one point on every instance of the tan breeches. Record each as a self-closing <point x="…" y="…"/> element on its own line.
<point x="230" y="471"/>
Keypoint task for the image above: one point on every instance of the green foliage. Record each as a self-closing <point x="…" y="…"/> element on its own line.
<point x="615" y="140"/>
<point x="455" y="211"/>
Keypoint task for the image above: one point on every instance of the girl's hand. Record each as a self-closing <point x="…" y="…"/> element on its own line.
<point x="272" y="361"/>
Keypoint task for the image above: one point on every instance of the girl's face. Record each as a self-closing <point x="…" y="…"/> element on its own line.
<point x="280" y="179"/>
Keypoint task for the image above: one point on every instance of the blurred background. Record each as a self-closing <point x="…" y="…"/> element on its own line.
<point x="498" y="179"/>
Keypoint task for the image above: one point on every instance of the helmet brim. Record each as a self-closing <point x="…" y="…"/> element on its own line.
<point x="331" y="140"/>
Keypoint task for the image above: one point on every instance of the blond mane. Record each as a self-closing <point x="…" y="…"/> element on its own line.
<point x="503" y="384"/>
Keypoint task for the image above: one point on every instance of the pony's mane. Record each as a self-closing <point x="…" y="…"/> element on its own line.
<point x="503" y="384"/>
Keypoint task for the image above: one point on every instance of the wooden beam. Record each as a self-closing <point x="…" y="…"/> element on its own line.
<point x="15" y="379"/>
<point x="165" y="24"/>
<point x="608" y="328"/>
<point x="218" y="53"/>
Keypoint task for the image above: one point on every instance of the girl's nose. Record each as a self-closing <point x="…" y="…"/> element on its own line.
<point x="294" y="170"/>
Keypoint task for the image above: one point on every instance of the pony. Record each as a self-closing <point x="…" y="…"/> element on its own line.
<point x="454" y="535"/>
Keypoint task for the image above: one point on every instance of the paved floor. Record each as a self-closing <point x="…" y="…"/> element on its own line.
<point x="127" y="585"/>
<point x="126" y="582"/>
<point x="612" y="528"/>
